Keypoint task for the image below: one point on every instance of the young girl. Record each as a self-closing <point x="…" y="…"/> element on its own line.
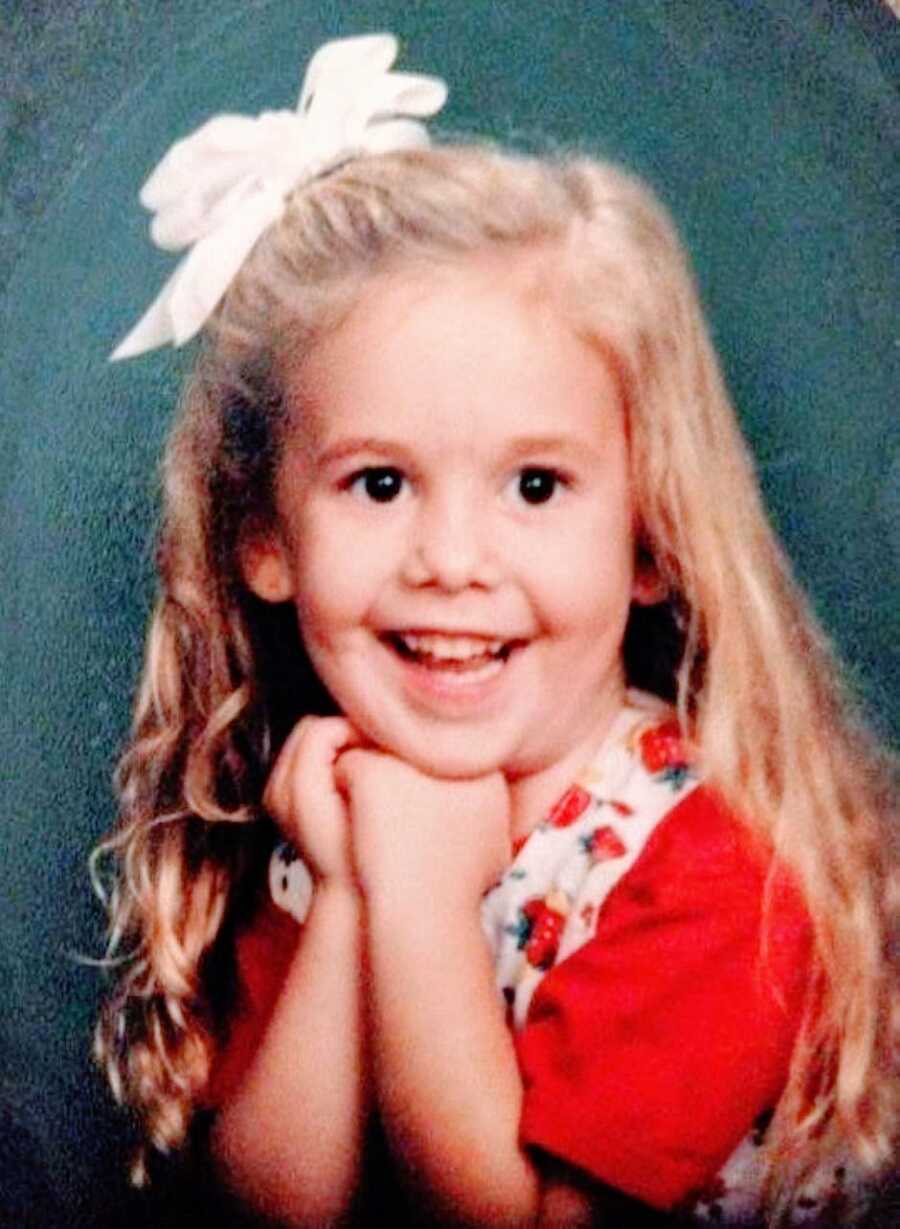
<point x="491" y="786"/>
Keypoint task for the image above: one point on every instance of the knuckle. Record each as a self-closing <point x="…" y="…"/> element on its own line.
<point x="352" y="765"/>
<point x="322" y="734"/>
<point x="354" y="757"/>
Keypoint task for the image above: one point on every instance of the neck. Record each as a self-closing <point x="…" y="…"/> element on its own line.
<point x="532" y="794"/>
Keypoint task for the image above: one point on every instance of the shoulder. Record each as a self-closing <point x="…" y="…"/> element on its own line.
<point x="694" y="845"/>
<point x="703" y="853"/>
<point x="701" y="837"/>
<point x="705" y="918"/>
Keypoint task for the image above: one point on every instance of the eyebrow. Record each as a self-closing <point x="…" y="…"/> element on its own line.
<point x="527" y="445"/>
<point x="342" y="449"/>
<point x="521" y="446"/>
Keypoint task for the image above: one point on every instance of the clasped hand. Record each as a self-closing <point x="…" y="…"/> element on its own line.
<point x="362" y="817"/>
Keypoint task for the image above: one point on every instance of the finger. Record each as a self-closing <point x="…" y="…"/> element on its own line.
<point x="277" y="794"/>
<point x="328" y="737"/>
<point x="305" y="764"/>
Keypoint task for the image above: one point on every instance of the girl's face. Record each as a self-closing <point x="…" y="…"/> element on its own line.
<point x="455" y="522"/>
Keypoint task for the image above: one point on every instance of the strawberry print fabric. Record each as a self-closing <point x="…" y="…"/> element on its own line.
<point x="547" y="904"/>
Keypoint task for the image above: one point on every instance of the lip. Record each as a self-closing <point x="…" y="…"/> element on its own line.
<point x="428" y="629"/>
<point x="449" y="691"/>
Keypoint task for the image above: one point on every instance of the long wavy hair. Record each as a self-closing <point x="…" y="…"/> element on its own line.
<point x="734" y="645"/>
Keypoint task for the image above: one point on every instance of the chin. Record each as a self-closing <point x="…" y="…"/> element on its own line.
<point x="451" y="763"/>
<point x="457" y="769"/>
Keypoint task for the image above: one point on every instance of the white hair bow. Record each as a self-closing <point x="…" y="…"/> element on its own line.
<point x="217" y="190"/>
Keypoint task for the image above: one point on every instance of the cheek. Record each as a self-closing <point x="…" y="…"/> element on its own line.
<point x="337" y="587"/>
<point x="588" y="573"/>
<point x="326" y="600"/>
<point x="328" y="571"/>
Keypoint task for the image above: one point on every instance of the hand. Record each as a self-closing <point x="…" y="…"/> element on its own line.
<point x="302" y="796"/>
<point x="422" y="837"/>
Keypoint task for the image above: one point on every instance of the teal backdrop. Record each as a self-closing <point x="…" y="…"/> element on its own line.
<point x="770" y="128"/>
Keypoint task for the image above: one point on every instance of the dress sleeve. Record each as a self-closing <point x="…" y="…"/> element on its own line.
<point x="264" y="951"/>
<point x="648" y="1054"/>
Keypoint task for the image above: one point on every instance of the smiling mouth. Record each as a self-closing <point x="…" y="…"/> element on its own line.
<point x="440" y="652"/>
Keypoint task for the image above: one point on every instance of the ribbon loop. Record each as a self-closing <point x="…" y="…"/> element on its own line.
<point x="218" y="189"/>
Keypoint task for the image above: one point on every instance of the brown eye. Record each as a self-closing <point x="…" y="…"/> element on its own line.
<point x="537" y="486"/>
<point x="381" y="484"/>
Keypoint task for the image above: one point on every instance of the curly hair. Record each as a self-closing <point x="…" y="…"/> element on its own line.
<point x="734" y="645"/>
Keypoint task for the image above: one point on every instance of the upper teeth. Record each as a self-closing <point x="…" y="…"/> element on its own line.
<point x="456" y="648"/>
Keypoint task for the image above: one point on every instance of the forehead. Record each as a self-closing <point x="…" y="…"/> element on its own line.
<point x="480" y="343"/>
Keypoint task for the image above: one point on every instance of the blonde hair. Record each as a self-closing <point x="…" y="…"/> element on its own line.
<point x="735" y="644"/>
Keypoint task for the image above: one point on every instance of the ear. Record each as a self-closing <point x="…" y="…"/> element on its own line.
<point x="648" y="587"/>
<point x="264" y="565"/>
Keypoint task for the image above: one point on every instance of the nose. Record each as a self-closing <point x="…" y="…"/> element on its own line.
<point x="451" y="547"/>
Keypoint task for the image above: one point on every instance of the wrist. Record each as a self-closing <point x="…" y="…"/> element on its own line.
<point x="342" y="878"/>
<point x="335" y="892"/>
<point x="416" y="910"/>
<point x="338" y="875"/>
<point x="411" y="888"/>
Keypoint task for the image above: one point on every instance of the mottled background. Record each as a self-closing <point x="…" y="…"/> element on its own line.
<point x="769" y="126"/>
